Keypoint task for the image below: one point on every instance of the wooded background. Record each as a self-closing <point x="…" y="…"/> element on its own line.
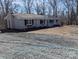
<point x="66" y="10"/>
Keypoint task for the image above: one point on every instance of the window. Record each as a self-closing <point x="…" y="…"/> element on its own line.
<point x="32" y="21"/>
<point x="29" y="21"/>
<point x="51" y="21"/>
<point x="26" y="22"/>
<point x="56" y="20"/>
<point x="42" y="21"/>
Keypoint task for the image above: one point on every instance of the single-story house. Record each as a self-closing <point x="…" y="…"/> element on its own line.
<point x="24" y="21"/>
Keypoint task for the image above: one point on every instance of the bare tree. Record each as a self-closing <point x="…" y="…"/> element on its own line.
<point x="43" y="7"/>
<point x="67" y="5"/>
<point x="76" y="3"/>
<point x="38" y="9"/>
<point x="53" y="4"/>
<point x="6" y="6"/>
<point x="28" y="5"/>
<point x="2" y="6"/>
<point x="49" y="11"/>
<point x="70" y="4"/>
<point x="15" y="8"/>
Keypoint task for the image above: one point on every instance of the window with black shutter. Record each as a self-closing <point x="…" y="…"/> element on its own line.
<point x="25" y="22"/>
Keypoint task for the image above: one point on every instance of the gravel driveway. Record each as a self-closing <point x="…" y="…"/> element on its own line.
<point x="37" y="46"/>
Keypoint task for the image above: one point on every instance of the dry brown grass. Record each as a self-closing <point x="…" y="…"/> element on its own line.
<point x="68" y="31"/>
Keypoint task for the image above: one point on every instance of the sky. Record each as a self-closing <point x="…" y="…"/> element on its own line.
<point x="21" y="8"/>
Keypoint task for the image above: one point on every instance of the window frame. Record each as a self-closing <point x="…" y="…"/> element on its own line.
<point x="32" y="21"/>
<point x="42" y="21"/>
<point x="25" y="22"/>
<point x="51" y="21"/>
<point x="56" y="20"/>
<point x="29" y="21"/>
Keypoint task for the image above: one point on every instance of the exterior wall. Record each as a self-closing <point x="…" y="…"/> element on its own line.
<point x="54" y="23"/>
<point x="44" y="25"/>
<point x="9" y="23"/>
<point x="50" y="24"/>
<point x="37" y="23"/>
<point x="20" y="24"/>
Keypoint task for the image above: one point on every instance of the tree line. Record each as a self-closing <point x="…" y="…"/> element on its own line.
<point x="66" y="10"/>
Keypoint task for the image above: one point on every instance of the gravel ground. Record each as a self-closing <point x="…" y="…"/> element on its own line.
<point x="25" y="45"/>
<point x="54" y="43"/>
